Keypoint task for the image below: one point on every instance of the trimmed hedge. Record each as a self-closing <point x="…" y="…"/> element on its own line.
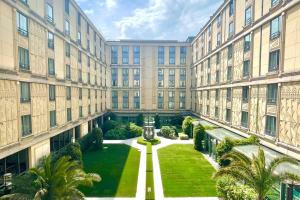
<point x="142" y="141"/>
<point x="168" y="132"/>
<point x="110" y="124"/>
<point x="121" y="133"/>
<point x="199" y="134"/>
<point x="92" y="141"/>
<point x="227" y="145"/>
<point x="187" y="125"/>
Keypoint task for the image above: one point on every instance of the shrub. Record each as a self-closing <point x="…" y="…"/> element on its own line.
<point x="133" y="130"/>
<point x="183" y="136"/>
<point x="187" y="125"/>
<point x="228" y="189"/>
<point x="116" y="134"/>
<point x="142" y="141"/>
<point x="72" y="150"/>
<point x="92" y="141"/>
<point x="157" y="123"/>
<point x="140" y="120"/>
<point x="177" y="120"/>
<point x="199" y="134"/>
<point x="109" y="124"/>
<point x="168" y="132"/>
<point x="111" y="116"/>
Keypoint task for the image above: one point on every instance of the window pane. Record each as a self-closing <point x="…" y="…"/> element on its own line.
<point x="25" y="92"/>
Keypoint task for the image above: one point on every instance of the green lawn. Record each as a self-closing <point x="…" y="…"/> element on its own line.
<point x="118" y="166"/>
<point x="185" y="172"/>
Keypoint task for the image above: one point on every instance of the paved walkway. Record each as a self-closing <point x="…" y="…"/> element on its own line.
<point x="158" y="188"/>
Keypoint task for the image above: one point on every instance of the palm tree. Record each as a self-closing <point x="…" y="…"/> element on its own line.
<point x="255" y="172"/>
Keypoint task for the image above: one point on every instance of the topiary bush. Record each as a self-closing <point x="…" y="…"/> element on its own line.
<point x="199" y="135"/>
<point x="157" y="123"/>
<point x="109" y="124"/>
<point x="168" y="132"/>
<point x="229" y="189"/>
<point x="187" y="125"/>
<point x="73" y="150"/>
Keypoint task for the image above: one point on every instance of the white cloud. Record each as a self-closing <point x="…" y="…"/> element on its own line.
<point x="110" y="4"/>
<point x="89" y="11"/>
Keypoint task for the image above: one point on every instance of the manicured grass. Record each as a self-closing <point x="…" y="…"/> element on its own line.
<point x="185" y="172"/>
<point x="118" y="166"/>
<point x="142" y="141"/>
<point x="149" y="173"/>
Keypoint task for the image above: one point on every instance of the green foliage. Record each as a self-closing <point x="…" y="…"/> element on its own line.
<point x="187" y="125"/>
<point x="157" y="123"/>
<point x="21" y="186"/>
<point x="134" y="130"/>
<point x="110" y="124"/>
<point x="227" y="144"/>
<point x="177" y="120"/>
<point x="168" y="132"/>
<point x="121" y="133"/>
<point x="72" y="150"/>
<point x="111" y="116"/>
<point x="183" y="136"/>
<point x="92" y="141"/>
<point x="228" y="189"/>
<point x="140" y="120"/>
<point x="142" y="141"/>
<point x="199" y="135"/>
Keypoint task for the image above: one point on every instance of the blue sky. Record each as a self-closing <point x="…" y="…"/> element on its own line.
<point x="149" y="19"/>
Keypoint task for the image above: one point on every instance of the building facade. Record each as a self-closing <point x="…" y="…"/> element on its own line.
<point x="149" y="76"/>
<point x="53" y="79"/>
<point x="245" y="71"/>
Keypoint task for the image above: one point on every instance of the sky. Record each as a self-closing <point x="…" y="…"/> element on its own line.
<point x="149" y="19"/>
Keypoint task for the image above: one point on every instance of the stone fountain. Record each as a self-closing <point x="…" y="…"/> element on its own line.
<point x="148" y="132"/>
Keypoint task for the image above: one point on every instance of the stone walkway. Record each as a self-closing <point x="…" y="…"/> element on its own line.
<point x="158" y="188"/>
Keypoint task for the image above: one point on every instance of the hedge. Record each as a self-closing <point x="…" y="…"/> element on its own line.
<point x="92" y="141"/>
<point x="183" y="136"/>
<point x="187" y="125"/>
<point x="142" y="141"/>
<point x="73" y="150"/>
<point x="199" y="134"/>
<point x="110" y="124"/>
<point x="168" y="132"/>
<point x="121" y="133"/>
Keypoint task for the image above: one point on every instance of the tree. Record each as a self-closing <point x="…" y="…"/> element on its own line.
<point x="59" y="180"/>
<point x="157" y="123"/>
<point x="140" y="120"/>
<point x="199" y="133"/>
<point x="97" y="139"/>
<point x="187" y="125"/>
<point x="255" y="172"/>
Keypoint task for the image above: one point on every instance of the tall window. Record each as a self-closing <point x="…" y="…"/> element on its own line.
<point x="228" y="115"/>
<point x="51" y="67"/>
<point x="275" y="27"/>
<point x="228" y="94"/>
<point x="80" y="93"/>
<point x="51" y="92"/>
<point x="270" y="125"/>
<point x="25" y="92"/>
<point x="67" y="27"/>
<point x="114" y="97"/>
<point x="79" y="75"/>
<point x="231" y="8"/>
<point x="136" y="100"/>
<point x="69" y="114"/>
<point x="136" y="77"/>
<point x="231" y="30"/>
<point x="78" y="19"/>
<point x="160" y="99"/>
<point x="217" y="76"/>
<point x="219" y="20"/>
<point x="68" y="72"/>
<point x="229" y="51"/>
<point x="217" y="94"/>
<point x="217" y="112"/>
<point x="79" y="56"/>
<point x="171" y="77"/>
<point x="160" y="74"/>
<point x="22" y="24"/>
<point x="248" y="16"/>
<point x="247" y="42"/>
<point x="171" y="99"/>
<point x="229" y="73"/>
<point x="114" y="77"/>
<point x="80" y="111"/>
<point x="114" y="55"/>
<point x="50" y="40"/>
<point x="67" y="6"/>
<point x="136" y="55"/>
<point x="172" y="55"/>
<point x="245" y="94"/>
<point x="52" y="118"/>
<point x="68" y="92"/>
<point x="125" y="73"/>
<point x="274" y="59"/>
<point x="161" y="55"/>
<point x="125" y="99"/>
<point x="272" y="93"/>
<point x="182" y="55"/>
<point x="26" y="125"/>
<point x="274" y="2"/>
<point x="125" y="55"/>
<point x="218" y="39"/>
<point x="23" y="58"/>
<point x="79" y="37"/>
<point x="246" y="68"/>
<point x="182" y="81"/>
<point x="68" y="49"/>
<point x="182" y="100"/>
<point x="244" y="119"/>
<point x="49" y="11"/>
<point x="218" y="58"/>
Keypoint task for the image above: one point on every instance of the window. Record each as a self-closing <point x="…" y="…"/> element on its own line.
<point x="68" y="49"/>
<point x="22" y="24"/>
<point x="245" y="94"/>
<point x="79" y="75"/>
<point x="182" y="55"/>
<point x="136" y="100"/>
<point x="114" y="55"/>
<point x="231" y="8"/>
<point x="207" y="95"/>
<point x="79" y="56"/>
<point x="89" y="77"/>
<point x="79" y="38"/>
<point x="171" y="99"/>
<point x="161" y="55"/>
<point x="49" y="11"/>
<point x="217" y="94"/>
<point x="229" y="73"/>
<point x="80" y="93"/>
<point x="231" y="30"/>
<point x="25" y="92"/>
<point x="68" y="72"/>
<point x="114" y="76"/>
<point x="125" y="73"/>
<point x="244" y="119"/>
<point x="218" y="39"/>
<point x="24" y="1"/>
<point x="208" y="78"/>
<point x="171" y="77"/>
<point x="248" y="16"/>
<point x="219" y="20"/>
<point x="246" y="68"/>
<point x="160" y="74"/>
<point x="69" y="114"/>
<point x="125" y="99"/>
<point x="26" y="125"/>
<point x="51" y="92"/>
<point x="228" y="94"/>
<point x="274" y="58"/>
<point x="217" y="112"/>
<point x="78" y="19"/>
<point x="51" y="67"/>
<point x="23" y="58"/>
<point x="52" y="118"/>
<point x="217" y="76"/>
<point x="229" y="51"/>
<point x="208" y="63"/>
<point x="50" y="40"/>
<point x="274" y="2"/>
<point x="247" y="43"/>
<point x="272" y="93"/>
<point x="160" y="99"/>
<point x="88" y="61"/>
<point x="89" y="94"/>
<point x="228" y="115"/>
<point x="88" y="45"/>
<point x="209" y="46"/>
<point x="270" y="125"/>
<point x="125" y="55"/>
<point x="67" y="6"/>
<point x="89" y="109"/>
<point x="68" y="92"/>
<point x="207" y="110"/>
<point x="218" y="58"/>
<point x="275" y="27"/>
<point x="172" y="55"/>
<point x="136" y="55"/>
<point x="209" y="30"/>
<point x="182" y="100"/>
<point x="80" y="111"/>
<point x="182" y="81"/>
<point x="114" y="97"/>
<point x="136" y="77"/>
<point x="67" y="27"/>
